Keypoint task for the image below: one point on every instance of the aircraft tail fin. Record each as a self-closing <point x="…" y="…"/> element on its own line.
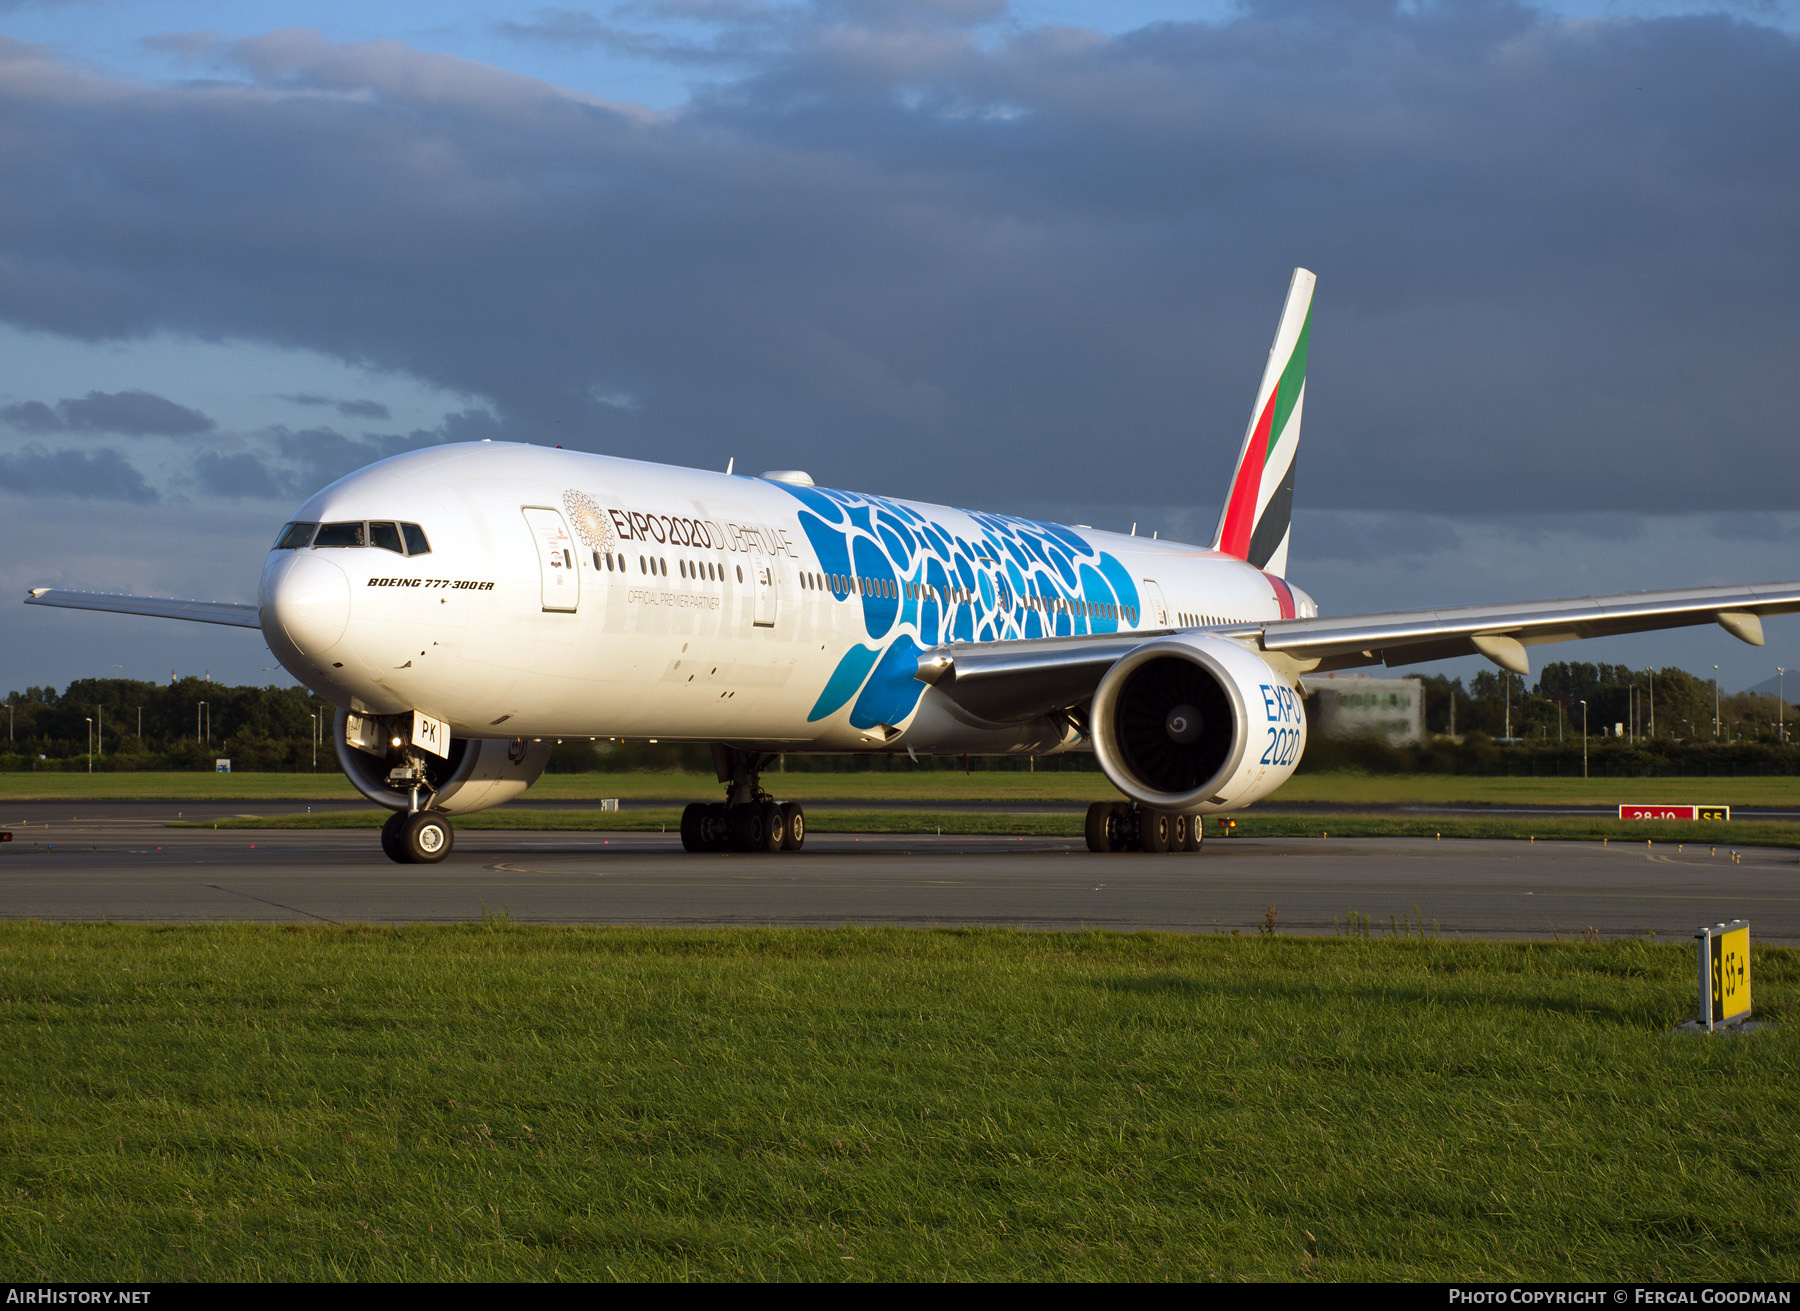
<point x="1258" y="517"/>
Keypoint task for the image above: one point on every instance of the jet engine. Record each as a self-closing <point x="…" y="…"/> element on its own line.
<point x="1196" y="724"/>
<point x="475" y="773"/>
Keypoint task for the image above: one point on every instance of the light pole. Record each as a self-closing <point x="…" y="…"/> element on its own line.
<point x="315" y="744"/>
<point x="200" y="706"/>
<point x="100" y="728"/>
<point x="1652" y="674"/>
<point x="90" y="724"/>
<point x="1584" y="772"/>
<point x="1780" y="704"/>
<point x="1715" y="703"/>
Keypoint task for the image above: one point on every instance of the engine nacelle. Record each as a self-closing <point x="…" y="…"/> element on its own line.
<point x="1196" y="724"/>
<point x="477" y="772"/>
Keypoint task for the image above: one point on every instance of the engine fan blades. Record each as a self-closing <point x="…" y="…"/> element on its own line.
<point x="1150" y="732"/>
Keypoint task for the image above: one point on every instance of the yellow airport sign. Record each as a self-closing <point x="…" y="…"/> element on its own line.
<point x="1724" y="974"/>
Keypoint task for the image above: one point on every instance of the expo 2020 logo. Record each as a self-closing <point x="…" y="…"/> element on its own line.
<point x="589" y="521"/>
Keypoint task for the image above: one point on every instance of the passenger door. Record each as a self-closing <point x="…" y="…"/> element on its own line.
<point x="555" y="547"/>
<point x="762" y="578"/>
<point x="1156" y="610"/>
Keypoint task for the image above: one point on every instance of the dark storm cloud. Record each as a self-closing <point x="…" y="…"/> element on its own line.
<point x="992" y="264"/>
<point x="287" y="463"/>
<point x="103" y="475"/>
<point x="235" y="474"/>
<point x="128" y="413"/>
<point x="350" y="409"/>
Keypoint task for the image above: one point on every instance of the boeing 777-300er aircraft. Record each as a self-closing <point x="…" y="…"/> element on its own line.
<point x="464" y="606"/>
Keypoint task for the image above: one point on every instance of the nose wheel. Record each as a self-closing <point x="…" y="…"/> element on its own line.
<point x="420" y="837"/>
<point x="1127" y="826"/>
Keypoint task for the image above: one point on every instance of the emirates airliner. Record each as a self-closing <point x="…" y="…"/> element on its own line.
<point x="466" y="605"/>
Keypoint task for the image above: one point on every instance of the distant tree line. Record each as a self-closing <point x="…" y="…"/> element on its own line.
<point x="1638" y="721"/>
<point x="187" y="725"/>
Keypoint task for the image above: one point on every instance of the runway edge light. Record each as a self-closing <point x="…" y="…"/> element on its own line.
<point x="1723" y="957"/>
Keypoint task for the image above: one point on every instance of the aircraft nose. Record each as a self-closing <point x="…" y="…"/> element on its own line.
<point x="308" y="599"/>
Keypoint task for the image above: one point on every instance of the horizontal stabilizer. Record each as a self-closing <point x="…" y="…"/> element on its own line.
<point x="233" y="613"/>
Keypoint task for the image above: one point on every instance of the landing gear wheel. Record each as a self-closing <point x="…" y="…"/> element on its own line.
<point x="390" y="837"/>
<point x="1196" y="832"/>
<point x="715" y="830"/>
<point x="1155" y="830"/>
<point x="425" y="838"/>
<point x="693" y="822"/>
<point x="1119" y="829"/>
<point x="774" y="827"/>
<point x="749" y="830"/>
<point x="1181" y="831"/>
<point x="796" y="825"/>
<point x="1099" y="826"/>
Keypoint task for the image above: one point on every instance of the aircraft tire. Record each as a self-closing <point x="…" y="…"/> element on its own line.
<point x="1155" y="828"/>
<point x="715" y="827"/>
<point x="1180" y="830"/>
<point x="774" y="827"/>
<point x="426" y="837"/>
<point x="1119" y="831"/>
<point x="796" y="825"/>
<point x="693" y="827"/>
<point x="1196" y="833"/>
<point x="748" y="830"/>
<point x="1099" y="826"/>
<point x="391" y="844"/>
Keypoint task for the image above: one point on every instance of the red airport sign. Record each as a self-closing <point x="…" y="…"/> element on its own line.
<point x="1674" y="812"/>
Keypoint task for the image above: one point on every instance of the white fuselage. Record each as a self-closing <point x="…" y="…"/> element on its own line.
<point x="575" y="595"/>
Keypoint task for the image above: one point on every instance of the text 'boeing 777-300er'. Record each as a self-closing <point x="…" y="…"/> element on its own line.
<point x="464" y="606"/>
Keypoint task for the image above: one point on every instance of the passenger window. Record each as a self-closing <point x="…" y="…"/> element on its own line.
<point x="341" y="534"/>
<point x="387" y="537"/>
<point x="295" y="536"/>
<point x="415" y="539"/>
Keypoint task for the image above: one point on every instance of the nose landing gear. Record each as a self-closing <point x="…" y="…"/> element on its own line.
<point x="1127" y="826"/>
<point x="748" y="819"/>
<point x="417" y="837"/>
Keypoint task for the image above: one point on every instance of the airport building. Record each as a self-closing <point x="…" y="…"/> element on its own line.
<point x="1358" y="706"/>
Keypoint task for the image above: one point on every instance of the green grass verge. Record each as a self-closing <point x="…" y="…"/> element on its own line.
<point x="497" y="1102"/>
<point x="1249" y="825"/>
<point x="880" y="785"/>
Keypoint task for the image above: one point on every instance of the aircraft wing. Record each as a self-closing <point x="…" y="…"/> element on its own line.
<point x="236" y="614"/>
<point x="1005" y="681"/>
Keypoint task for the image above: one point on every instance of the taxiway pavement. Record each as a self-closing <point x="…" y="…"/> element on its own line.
<point x="107" y="861"/>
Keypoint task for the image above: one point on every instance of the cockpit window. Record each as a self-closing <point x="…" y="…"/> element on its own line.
<point x="295" y="536"/>
<point x="415" y="539"/>
<point x="386" y="536"/>
<point x="341" y="534"/>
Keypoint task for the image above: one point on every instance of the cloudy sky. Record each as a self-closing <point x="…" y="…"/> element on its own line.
<point x="1024" y="257"/>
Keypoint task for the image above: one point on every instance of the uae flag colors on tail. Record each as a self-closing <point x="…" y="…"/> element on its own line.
<point x="1258" y="517"/>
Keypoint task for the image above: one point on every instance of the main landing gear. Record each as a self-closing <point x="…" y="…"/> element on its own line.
<point x="1127" y="826"/>
<point x="417" y="837"/>
<point x="749" y="819"/>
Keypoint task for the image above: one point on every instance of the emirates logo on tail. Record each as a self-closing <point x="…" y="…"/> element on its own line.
<point x="1258" y="515"/>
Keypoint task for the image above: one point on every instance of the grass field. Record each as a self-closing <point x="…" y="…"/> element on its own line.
<point x="1743" y="833"/>
<point x="880" y="785"/>
<point x="497" y="1102"/>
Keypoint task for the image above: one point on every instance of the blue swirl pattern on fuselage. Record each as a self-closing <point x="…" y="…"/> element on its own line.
<point x="926" y="584"/>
